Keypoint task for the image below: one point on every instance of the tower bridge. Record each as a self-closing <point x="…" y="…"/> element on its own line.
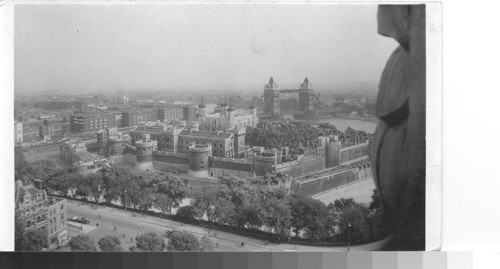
<point x="307" y="98"/>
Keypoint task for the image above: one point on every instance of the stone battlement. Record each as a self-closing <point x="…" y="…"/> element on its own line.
<point x="266" y="157"/>
<point x="170" y="154"/>
<point x="230" y="160"/>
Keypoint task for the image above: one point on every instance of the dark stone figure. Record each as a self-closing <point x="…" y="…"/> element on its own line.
<point x="399" y="148"/>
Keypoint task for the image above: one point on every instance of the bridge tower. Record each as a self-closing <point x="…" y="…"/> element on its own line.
<point x="271" y="98"/>
<point x="306" y="96"/>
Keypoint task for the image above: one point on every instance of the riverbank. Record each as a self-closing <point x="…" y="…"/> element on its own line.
<point x="350" y="117"/>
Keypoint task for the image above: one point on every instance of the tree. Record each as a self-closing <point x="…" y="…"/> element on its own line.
<point x="149" y="242"/>
<point x="163" y="202"/>
<point x="223" y="212"/>
<point x="82" y="242"/>
<point x="376" y="203"/>
<point x="311" y="216"/>
<point x="146" y="198"/>
<point x="205" y="197"/>
<point x="62" y="182"/>
<point x="172" y="186"/>
<point x="133" y="194"/>
<point x="110" y="243"/>
<point x="350" y="212"/>
<point x="182" y="241"/>
<point x="278" y="216"/>
<point x="231" y="182"/>
<point x="19" y="161"/>
<point x="206" y="244"/>
<point x="186" y="212"/>
<point x="116" y="181"/>
<point x="42" y="170"/>
<point x="94" y="183"/>
<point x="252" y="214"/>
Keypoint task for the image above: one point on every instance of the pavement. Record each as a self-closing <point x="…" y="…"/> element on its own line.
<point x="129" y="225"/>
<point x="360" y="191"/>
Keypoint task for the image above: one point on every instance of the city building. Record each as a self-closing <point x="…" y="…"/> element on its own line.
<point x="132" y="117"/>
<point x="168" y="113"/>
<point x="167" y="136"/>
<point x="225" y="117"/>
<point x="51" y="104"/>
<point x="38" y="211"/>
<point x="18" y="132"/>
<point x="222" y="143"/>
<point x="110" y="142"/>
<point x="32" y="129"/>
<point x="189" y="113"/>
<point x="51" y="128"/>
<point x="93" y="121"/>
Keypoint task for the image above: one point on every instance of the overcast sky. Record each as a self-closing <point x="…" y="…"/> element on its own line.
<point x="128" y="47"/>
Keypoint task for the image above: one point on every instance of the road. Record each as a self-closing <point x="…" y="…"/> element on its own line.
<point x="126" y="224"/>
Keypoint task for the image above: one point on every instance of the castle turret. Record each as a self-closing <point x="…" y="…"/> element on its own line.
<point x="144" y="153"/>
<point x="265" y="162"/>
<point x="198" y="164"/>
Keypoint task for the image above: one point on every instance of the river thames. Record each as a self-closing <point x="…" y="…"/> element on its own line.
<point x="342" y="124"/>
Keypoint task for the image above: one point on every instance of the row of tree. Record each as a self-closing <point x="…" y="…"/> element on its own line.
<point x="233" y="203"/>
<point x="163" y="191"/>
<point x="230" y="202"/>
<point x="177" y="241"/>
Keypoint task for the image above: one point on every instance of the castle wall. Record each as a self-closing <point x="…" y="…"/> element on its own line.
<point x="144" y="166"/>
<point x="170" y="160"/>
<point x="127" y="159"/>
<point x="332" y="181"/>
<point x="218" y="172"/>
<point x="332" y="155"/>
<point x="166" y="166"/>
<point x="297" y="168"/>
<point x="351" y="153"/>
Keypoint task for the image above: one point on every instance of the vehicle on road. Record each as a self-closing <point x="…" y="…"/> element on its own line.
<point x="79" y="220"/>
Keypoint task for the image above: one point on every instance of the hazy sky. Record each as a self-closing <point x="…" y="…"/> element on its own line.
<point x="168" y="46"/>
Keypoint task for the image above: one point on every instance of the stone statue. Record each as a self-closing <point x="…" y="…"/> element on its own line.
<point x="398" y="157"/>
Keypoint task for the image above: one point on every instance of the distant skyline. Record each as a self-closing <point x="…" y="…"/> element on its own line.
<point x="172" y="46"/>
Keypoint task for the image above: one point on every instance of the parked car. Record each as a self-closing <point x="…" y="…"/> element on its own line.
<point x="79" y="220"/>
